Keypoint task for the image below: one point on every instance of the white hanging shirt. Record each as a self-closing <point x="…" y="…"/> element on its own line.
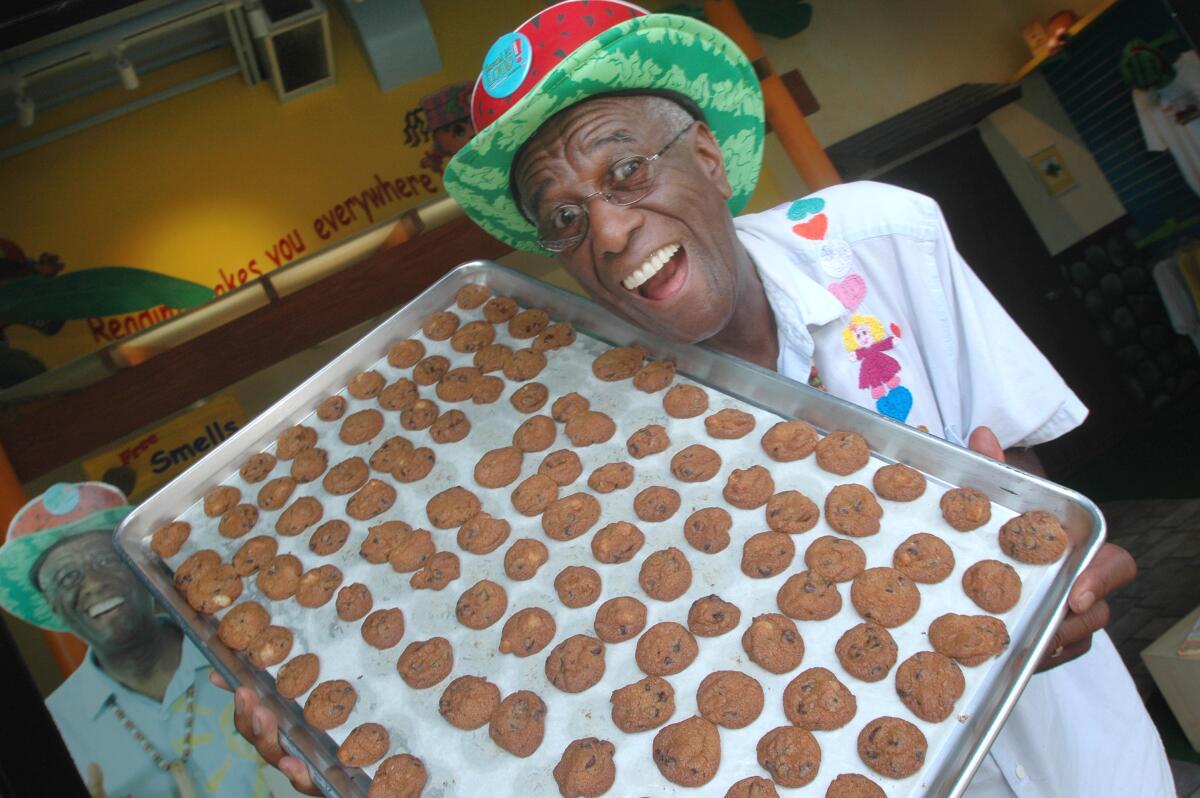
<point x="1170" y="117"/>
<point x="874" y="304"/>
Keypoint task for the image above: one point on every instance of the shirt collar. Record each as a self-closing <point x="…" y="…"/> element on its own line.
<point x="95" y="687"/>
<point x="798" y="301"/>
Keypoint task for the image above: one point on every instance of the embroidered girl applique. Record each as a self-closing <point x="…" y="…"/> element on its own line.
<point x="878" y="372"/>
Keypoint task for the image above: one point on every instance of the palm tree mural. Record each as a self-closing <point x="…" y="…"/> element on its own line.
<point x="35" y="293"/>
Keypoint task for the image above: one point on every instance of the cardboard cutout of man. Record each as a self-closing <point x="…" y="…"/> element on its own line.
<point x="140" y="715"/>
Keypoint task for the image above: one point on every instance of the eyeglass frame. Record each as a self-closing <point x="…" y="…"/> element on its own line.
<point x="559" y="245"/>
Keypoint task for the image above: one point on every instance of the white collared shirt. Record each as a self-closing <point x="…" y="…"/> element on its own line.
<point x="222" y="763"/>
<point x="874" y="304"/>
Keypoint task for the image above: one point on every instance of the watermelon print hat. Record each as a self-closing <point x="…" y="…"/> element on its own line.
<point x="583" y="48"/>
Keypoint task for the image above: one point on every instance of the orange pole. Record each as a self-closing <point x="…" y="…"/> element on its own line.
<point x="785" y="117"/>
<point x="68" y="650"/>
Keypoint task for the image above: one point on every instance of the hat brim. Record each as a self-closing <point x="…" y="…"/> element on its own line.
<point x="18" y="592"/>
<point x="656" y="52"/>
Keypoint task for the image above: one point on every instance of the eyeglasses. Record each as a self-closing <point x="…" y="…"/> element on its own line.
<point x="627" y="181"/>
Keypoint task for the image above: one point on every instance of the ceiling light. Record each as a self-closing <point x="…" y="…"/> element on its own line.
<point x="25" y="108"/>
<point x="129" y="75"/>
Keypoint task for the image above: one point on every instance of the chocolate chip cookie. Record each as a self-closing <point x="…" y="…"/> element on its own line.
<point x="842" y="452"/>
<point x="867" y="651"/>
<point x="685" y="401"/>
<point x="688" y="753"/>
<point x="809" y="596"/>
<point x="695" y="463"/>
<point x="353" y="602"/>
<point x="665" y="575"/>
<point x="835" y="558"/>
<point x="654" y="376"/>
<point x="452" y="507"/>
<point x="569" y="517"/>
<point x="364" y="746"/>
<point x="730" y="699"/>
<point x="329" y="704"/>
<point x="499" y="467"/>
<point x="969" y="639"/>
<point x="519" y="723"/>
<point x="617" y="542"/>
<point x="589" y="427"/>
<point x="729" y="424"/>
<point x="366" y="384"/>
<point x="361" y="427"/>
<point x="656" y="503"/>
<point x="468" y="702"/>
<point x="749" y="488"/>
<point x="790" y="754"/>
<point x="852" y="510"/>
<point x="818" y="701"/>
<point x="885" y="596"/>
<point x="481" y="605"/>
<point x="576" y="663"/>
<point x="1035" y="537"/>
<point x="665" y="649"/>
<point x="766" y="554"/>
<point x="892" y="747"/>
<point x="483" y="534"/>
<point x="792" y="512"/>
<point x="966" y="508"/>
<point x="773" y="642"/>
<point x="405" y="354"/>
<point x="568" y="405"/>
<point x="530" y="397"/>
<point x="993" y="585"/>
<point x="472" y="295"/>
<point x="563" y="466"/>
<point x="577" y="586"/>
<point x="643" y="705"/>
<point x="650" y="439"/>
<point x="524" y="558"/>
<point x="535" y="434"/>
<point x="620" y="619"/>
<point x="929" y="683"/>
<point x="899" y="483"/>
<point x="620" y="363"/>
<point x="586" y="769"/>
<point x="318" y="585"/>
<point x="610" y="477"/>
<point x="924" y="558"/>
<point x="254" y="554"/>
<point x="298" y="675"/>
<point x="424" y="663"/>
<point x="438" y="571"/>
<point x="527" y="632"/>
<point x="707" y="529"/>
<point x="711" y="616"/>
<point x="257" y="467"/>
<point x="383" y="628"/>
<point x="789" y="441"/>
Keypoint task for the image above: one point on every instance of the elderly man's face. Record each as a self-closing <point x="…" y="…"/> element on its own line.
<point x="691" y="296"/>
<point x="91" y="589"/>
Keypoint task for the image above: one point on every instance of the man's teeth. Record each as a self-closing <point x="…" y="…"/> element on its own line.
<point x="651" y="267"/>
<point x="104" y="606"/>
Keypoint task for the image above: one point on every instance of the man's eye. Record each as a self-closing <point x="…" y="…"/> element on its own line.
<point x="627" y="171"/>
<point x="564" y="217"/>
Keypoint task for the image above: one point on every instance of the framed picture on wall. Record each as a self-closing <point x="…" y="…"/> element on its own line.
<point x="1053" y="171"/>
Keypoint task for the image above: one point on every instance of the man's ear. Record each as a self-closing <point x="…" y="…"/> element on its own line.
<point x="711" y="160"/>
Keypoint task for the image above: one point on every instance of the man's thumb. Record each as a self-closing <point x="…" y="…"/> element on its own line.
<point x="95" y="781"/>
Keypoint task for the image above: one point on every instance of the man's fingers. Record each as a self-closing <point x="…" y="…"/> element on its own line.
<point x="985" y="442"/>
<point x="244" y="702"/>
<point x="218" y="681"/>
<point x="1055" y="656"/>
<point x="266" y="735"/>
<point x="1111" y="569"/>
<point x="297" y="771"/>
<point x="95" y="781"/>
<point x="1076" y="627"/>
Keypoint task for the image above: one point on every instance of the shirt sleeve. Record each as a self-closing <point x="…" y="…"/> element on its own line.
<point x="1148" y="113"/>
<point x="986" y="371"/>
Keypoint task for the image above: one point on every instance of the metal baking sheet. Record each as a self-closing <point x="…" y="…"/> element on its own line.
<point x="950" y="766"/>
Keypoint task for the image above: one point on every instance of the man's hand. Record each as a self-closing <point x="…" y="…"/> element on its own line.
<point x="1087" y="605"/>
<point x="95" y="781"/>
<point x="260" y="728"/>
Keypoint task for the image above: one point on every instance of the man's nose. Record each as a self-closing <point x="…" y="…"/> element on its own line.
<point x="612" y="225"/>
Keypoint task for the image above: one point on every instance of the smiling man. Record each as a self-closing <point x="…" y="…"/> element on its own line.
<point x="624" y="143"/>
<point x="139" y="715"/>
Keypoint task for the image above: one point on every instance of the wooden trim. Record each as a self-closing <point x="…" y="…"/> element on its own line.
<point x="49" y="432"/>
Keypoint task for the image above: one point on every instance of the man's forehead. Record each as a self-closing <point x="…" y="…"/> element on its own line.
<point x="82" y="546"/>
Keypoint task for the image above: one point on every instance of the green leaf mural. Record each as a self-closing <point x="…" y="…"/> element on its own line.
<point x="104" y="291"/>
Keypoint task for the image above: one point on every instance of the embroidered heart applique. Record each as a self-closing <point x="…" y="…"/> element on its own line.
<point x="850" y="292"/>
<point x="805" y="207"/>
<point x="896" y="404"/>
<point x="814" y="229"/>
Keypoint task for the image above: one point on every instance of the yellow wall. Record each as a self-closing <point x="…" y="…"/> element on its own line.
<point x="207" y="183"/>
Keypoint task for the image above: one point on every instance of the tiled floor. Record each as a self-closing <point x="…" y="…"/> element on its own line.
<point x="1164" y="537"/>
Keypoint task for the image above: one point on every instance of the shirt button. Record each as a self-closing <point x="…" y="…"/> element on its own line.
<point x="1021" y="772"/>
